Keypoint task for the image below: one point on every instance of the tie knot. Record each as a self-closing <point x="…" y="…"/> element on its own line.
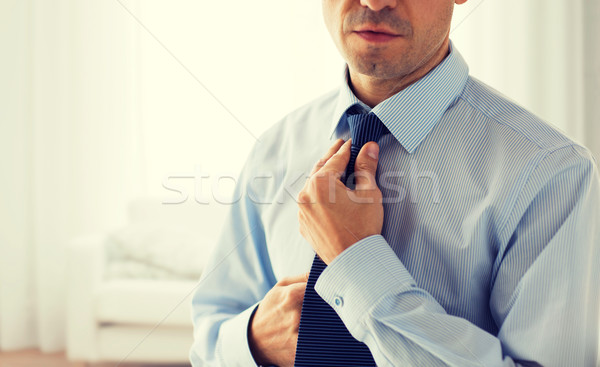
<point x="365" y="127"/>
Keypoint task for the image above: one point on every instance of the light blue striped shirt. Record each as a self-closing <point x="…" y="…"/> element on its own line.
<point x="490" y="250"/>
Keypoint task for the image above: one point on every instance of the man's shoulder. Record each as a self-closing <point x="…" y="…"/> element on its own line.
<point x="526" y="140"/>
<point x="524" y="126"/>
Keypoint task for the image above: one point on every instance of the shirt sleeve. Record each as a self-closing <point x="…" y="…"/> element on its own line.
<point x="545" y="296"/>
<point x="236" y="278"/>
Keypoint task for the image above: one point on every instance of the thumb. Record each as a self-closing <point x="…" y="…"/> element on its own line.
<point x="366" y="166"/>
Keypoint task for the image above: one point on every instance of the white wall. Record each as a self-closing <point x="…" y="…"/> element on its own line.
<point x="261" y="60"/>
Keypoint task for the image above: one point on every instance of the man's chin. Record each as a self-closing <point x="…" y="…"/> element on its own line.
<point x="375" y="68"/>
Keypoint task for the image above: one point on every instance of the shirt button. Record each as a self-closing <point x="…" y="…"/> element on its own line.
<point x="338" y="301"/>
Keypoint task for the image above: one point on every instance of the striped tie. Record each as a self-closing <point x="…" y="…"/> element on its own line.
<point x="323" y="339"/>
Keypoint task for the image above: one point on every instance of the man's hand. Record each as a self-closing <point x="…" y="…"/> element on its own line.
<point x="332" y="217"/>
<point x="273" y="331"/>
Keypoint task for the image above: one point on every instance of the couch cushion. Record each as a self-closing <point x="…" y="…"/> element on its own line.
<point x="144" y="302"/>
<point x="152" y="251"/>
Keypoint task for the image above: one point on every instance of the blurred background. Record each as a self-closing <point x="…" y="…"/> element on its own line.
<point x="112" y="111"/>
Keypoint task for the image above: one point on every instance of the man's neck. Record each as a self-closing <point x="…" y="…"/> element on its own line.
<point x="372" y="91"/>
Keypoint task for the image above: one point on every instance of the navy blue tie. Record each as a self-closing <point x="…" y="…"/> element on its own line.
<point x="323" y="339"/>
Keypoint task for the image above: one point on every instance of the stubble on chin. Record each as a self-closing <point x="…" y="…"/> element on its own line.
<point x="377" y="65"/>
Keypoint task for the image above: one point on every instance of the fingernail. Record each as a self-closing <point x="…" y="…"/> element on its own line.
<point x="373" y="151"/>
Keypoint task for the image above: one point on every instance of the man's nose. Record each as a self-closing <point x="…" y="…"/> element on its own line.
<point x="377" y="5"/>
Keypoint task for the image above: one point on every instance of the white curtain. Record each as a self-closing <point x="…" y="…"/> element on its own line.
<point x="591" y="75"/>
<point x="101" y="100"/>
<point x="539" y="53"/>
<point x="69" y="148"/>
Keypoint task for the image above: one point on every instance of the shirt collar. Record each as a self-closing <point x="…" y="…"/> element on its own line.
<point x="411" y="114"/>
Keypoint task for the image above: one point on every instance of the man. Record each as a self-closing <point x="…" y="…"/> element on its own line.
<point x="471" y="237"/>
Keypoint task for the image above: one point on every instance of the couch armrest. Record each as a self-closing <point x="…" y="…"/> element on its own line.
<point x="85" y="267"/>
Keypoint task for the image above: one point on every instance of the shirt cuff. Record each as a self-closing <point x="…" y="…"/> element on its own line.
<point x="361" y="276"/>
<point x="233" y="348"/>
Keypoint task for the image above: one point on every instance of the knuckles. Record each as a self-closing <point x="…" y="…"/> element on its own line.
<point x="315" y="188"/>
<point x="295" y="320"/>
<point x="303" y="197"/>
<point x="363" y="172"/>
<point x="293" y="297"/>
<point x="296" y="293"/>
<point x="364" y="167"/>
<point x="320" y="163"/>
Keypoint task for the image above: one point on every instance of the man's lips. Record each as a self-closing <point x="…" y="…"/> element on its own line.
<point x="377" y="37"/>
<point x="376" y="34"/>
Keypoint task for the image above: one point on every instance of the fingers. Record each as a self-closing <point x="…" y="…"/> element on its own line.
<point x="301" y="278"/>
<point x="365" y="167"/>
<point x="338" y="162"/>
<point x="294" y="287"/>
<point x="332" y="150"/>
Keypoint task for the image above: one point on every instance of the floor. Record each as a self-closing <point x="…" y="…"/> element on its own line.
<point x="33" y="358"/>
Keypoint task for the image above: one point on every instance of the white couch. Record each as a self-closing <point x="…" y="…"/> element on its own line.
<point x="136" y="320"/>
